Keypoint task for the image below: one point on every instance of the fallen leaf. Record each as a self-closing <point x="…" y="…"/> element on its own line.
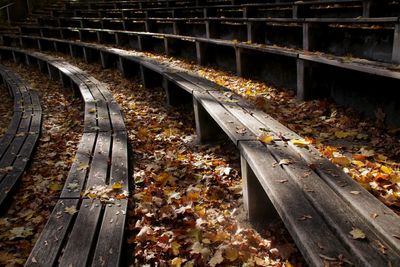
<point x="70" y="210"/>
<point x="367" y="152"/>
<point x="284" y="162"/>
<point x="387" y="170"/>
<point x="300" y="142"/>
<point x="20" y="232"/>
<point x="82" y="167"/>
<point x="176" y="262"/>
<point x="231" y="253"/>
<point x="342" y="161"/>
<point x="73" y="186"/>
<point x="117" y="185"/>
<point x="216" y="259"/>
<point x="266" y="139"/>
<point x="357" y="233"/>
<point x="55" y="186"/>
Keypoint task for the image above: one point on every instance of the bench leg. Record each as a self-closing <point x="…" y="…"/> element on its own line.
<point x="128" y="68"/>
<point x="304" y="84"/>
<point x="201" y="53"/>
<point x="207" y="130"/>
<point x="176" y="96"/>
<point x="106" y="61"/>
<point x="150" y="78"/>
<point x="88" y="55"/>
<point x="258" y="206"/>
<point x="396" y="44"/>
<point x="53" y="72"/>
<point x="65" y="81"/>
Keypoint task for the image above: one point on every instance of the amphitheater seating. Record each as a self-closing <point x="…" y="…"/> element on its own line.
<point x="335" y="36"/>
<point x="82" y="228"/>
<point x="319" y="225"/>
<point x="342" y="49"/>
<point x="19" y="142"/>
<point x="295" y="9"/>
<point x="295" y="69"/>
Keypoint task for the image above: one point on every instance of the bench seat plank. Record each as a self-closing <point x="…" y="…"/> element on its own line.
<point x="110" y="238"/>
<point x="74" y="184"/>
<point x="49" y="244"/>
<point x="81" y="238"/>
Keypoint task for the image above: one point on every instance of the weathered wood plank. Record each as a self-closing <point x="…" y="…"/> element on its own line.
<point x="82" y="236"/>
<point x="119" y="160"/>
<point x="100" y="161"/>
<point x="48" y="247"/>
<point x="103" y="117"/>
<point x="111" y="236"/>
<point x="117" y="119"/>
<point x="77" y="175"/>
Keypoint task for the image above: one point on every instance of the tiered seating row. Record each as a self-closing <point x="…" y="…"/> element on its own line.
<point x="334" y="8"/>
<point x="80" y="230"/>
<point x="309" y="74"/>
<point x="370" y="38"/>
<point x="144" y="4"/>
<point x="19" y="142"/>
<point x="312" y="196"/>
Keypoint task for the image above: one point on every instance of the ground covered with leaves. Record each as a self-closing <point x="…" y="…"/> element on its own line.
<point x="186" y="205"/>
<point x="35" y="198"/>
<point x="6" y="110"/>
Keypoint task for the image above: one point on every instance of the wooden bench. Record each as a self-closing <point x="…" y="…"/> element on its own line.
<point x="85" y="228"/>
<point x="311" y="195"/>
<point x="337" y="36"/>
<point x="289" y="9"/>
<point x="18" y="143"/>
<point x="143" y="4"/>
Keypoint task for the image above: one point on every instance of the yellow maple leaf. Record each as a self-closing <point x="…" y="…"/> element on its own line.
<point x="300" y="142"/>
<point x="266" y="139"/>
<point x="92" y="110"/>
<point x="358" y="163"/>
<point x="387" y="170"/>
<point x="117" y="185"/>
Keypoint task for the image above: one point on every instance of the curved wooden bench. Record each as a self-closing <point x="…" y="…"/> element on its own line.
<point x="20" y="140"/>
<point x="311" y="195"/>
<point x="82" y="228"/>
